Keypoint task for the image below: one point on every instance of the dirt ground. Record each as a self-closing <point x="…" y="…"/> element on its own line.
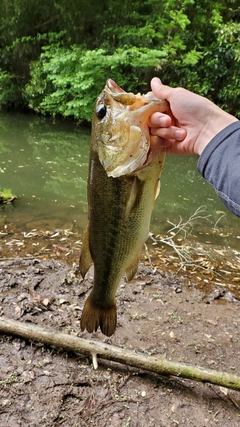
<point x="173" y="316"/>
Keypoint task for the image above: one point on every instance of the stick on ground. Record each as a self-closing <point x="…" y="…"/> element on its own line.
<point x="116" y="354"/>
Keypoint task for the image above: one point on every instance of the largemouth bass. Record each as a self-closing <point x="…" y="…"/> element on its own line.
<point x="123" y="183"/>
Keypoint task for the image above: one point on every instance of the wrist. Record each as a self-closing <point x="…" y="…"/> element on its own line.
<point x="217" y="121"/>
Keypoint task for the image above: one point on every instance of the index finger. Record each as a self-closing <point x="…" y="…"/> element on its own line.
<point x="157" y="120"/>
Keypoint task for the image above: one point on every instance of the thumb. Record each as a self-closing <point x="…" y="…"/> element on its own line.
<point x="160" y="90"/>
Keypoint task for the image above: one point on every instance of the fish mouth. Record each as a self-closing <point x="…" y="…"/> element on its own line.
<point x="134" y="151"/>
<point x="118" y="94"/>
<point x="112" y="85"/>
<point x="127" y="147"/>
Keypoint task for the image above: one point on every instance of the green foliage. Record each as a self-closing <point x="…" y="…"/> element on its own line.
<point x="217" y="74"/>
<point x="66" y="81"/>
<point x="228" y="50"/>
<point x="6" y="193"/>
<point x="6" y="196"/>
<point x="9" y="92"/>
<point x="57" y="55"/>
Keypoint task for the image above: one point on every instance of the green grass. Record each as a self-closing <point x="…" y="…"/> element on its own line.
<point x="6" y="196"/>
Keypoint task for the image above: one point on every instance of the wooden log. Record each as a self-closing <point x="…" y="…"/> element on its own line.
<point x="116" y="354"/>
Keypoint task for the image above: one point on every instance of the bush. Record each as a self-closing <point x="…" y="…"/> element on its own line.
<point x="67" y="81"/>
<point x="9" y="93"/>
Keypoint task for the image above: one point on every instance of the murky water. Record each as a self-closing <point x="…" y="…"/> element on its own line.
<point x="45" y="164"/>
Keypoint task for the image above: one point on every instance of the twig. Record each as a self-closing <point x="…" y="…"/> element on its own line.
<point x="109" y="352"/>
<point x="17" y="259"/>
<point x="182" y="229"/>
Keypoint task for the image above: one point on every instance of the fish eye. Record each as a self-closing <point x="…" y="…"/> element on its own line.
<point x="101" y="111"/>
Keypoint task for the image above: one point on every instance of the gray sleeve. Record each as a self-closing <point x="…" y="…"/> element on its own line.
<point x="219" y="164"/>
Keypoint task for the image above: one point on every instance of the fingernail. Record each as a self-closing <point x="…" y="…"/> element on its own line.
<point x="180" y="134"/>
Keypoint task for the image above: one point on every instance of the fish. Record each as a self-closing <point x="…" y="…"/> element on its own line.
<point x="123" y="183"/>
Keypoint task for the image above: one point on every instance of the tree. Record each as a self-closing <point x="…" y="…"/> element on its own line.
<point x="72" y="47"/>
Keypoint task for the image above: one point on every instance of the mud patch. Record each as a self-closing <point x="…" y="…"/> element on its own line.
<point x="158" y="314"/>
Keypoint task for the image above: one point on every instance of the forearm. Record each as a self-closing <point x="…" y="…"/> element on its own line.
<point x="219" y="164"/>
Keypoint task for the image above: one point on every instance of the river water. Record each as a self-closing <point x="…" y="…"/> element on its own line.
<point x="45" y="164"/>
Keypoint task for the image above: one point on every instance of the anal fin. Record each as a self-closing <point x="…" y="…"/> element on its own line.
<point x="131" y="270"/>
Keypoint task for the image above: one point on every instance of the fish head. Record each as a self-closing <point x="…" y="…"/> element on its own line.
<point x="120" y="134"/>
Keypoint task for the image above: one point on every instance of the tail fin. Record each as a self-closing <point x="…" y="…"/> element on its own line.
<point x="94" y="316"/>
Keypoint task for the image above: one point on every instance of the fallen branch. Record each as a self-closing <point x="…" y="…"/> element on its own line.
<point x="181" y="231"/>
<point x="116" y="354"/>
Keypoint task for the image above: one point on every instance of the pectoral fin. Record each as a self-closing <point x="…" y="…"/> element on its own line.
<point x="156" y="191"/>
<point x="85" y="260"/>
<point x="132" y="269"/>
<point x="157" y="188"/>
<point x="134" y="196"/>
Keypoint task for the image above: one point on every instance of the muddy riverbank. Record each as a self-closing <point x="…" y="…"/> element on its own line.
<point x="189" y="315"/>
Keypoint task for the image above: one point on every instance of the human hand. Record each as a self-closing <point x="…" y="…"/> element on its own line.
<point x="190" y="123"/>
